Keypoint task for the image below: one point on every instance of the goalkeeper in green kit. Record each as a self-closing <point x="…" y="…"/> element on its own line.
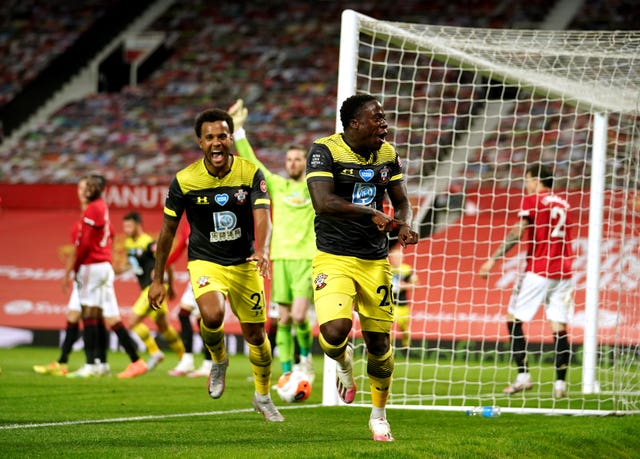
<point x="292" y="246"/>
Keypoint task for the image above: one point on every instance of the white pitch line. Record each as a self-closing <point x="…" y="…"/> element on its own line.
<point x="136" y="418"/>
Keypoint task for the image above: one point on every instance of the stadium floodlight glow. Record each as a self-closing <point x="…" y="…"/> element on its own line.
<point x="468" y="110"/>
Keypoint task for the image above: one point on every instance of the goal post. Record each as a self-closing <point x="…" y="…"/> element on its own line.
<point x="468" y="110"/>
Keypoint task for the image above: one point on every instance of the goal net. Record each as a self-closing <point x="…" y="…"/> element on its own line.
<point x="468" y="110"/>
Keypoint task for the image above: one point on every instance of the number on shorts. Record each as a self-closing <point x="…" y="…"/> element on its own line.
<point x="257" y="308"/>
<point x="387" y="295"/>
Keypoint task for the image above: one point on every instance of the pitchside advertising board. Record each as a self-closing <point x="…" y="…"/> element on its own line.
<point x="450" y="302"/>
<point x="35" y="227"/>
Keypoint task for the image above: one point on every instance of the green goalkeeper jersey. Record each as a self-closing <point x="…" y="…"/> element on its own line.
<point x="293" y="237"/>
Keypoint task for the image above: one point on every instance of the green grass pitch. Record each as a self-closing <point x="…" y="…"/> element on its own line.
<point x="159" y="416"/>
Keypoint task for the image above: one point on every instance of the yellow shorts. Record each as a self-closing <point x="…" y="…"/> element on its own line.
<point x="402" y="312"/>
<point x="241" y="284"/>
<point x="142" y="308"/>
<point x="341" y="282"/>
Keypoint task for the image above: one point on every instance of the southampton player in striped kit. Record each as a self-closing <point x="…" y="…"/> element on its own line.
<point x="227" y="206"/>
<point x="545" y="220"/>
<point x="140" y="249"/>
<point x="291" y="250"/>
<point x="349" y="175"/>
<point x="404" y="278"/>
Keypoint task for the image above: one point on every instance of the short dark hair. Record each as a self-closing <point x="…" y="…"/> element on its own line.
<point x="210" y="116"/>
<point x="99" y="180"/>
<point x="352" y="107"/>
<point x="134" y="216"/>
<point x="96" y="184"/>
<point x="543" y="172"/>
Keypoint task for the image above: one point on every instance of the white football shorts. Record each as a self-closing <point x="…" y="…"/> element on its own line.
<point x="74" y="299"/>
<point x="95" y="288"/>
<point x="534" y="290"/>
<point x="188" y="299"/>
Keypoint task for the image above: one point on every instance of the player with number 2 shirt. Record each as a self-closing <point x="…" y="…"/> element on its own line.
<point x="545" y="219"/>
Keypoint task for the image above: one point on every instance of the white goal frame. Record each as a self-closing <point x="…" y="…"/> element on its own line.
<point x="601" y="99"/>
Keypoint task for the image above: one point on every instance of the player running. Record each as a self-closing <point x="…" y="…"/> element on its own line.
<point x="227" y="206"/>
<point x="349" y="174"/>
<point x="140" y="249"/>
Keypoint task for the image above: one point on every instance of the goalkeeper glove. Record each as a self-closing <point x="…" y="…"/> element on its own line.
<point x="238" y="113"/>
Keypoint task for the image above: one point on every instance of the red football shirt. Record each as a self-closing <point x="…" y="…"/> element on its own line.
<point x="95" y="241"/>
<point x="549" y="248"/>
<point x="75" y="232"/>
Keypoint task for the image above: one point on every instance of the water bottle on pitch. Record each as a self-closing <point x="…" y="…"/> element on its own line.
<point x="484" y="411"/>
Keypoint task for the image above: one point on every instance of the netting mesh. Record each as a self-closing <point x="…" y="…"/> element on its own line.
<point x="469" y="109"/>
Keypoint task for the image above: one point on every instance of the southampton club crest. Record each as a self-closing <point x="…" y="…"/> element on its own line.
<point x="203" y="281"/>
<point x="241" y="196"/>
<point x="384" y="174"/>
<point x="319" y="281"/>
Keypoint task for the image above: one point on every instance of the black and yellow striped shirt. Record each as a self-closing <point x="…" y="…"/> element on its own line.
<point x="219" y="210"/>
<point x="358" y="180"/>
<point x="141" y="257"/>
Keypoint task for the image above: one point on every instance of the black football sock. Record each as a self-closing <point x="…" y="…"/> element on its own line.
<point x="518" y="345"/>
<point x="90" y="339"/>
<point x="563" y="354"/>
<point x="186" y="331"/>
<point x="103" y="341"/>
<point x="125" y="341"/>
<point x="71" y="336"/>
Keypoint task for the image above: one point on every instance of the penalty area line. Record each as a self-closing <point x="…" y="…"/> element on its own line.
<point x="150" y="417"/>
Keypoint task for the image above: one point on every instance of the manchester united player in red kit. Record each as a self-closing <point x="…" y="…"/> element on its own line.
<point x="546" y="221"/>
<point x="94" y="277"/>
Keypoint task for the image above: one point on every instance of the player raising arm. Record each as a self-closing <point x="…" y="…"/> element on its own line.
<point x="291" y="251"/>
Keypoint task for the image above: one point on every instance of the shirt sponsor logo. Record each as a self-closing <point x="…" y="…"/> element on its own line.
<point x="297" y="200"/>
<point x="222" y="199"/>
<point x="222" y="236"/>
<point x="366" y="174"/>
<point x="363" y="194"/>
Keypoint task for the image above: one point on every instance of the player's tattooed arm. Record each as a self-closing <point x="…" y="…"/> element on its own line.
<point x="512" y="239"/>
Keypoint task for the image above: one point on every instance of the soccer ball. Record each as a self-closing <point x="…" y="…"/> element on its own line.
<point x="293" y="387"/>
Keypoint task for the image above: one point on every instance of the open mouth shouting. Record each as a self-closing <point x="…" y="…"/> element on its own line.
<point x="218" y="157"/>
<point x="381" y="137"/>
